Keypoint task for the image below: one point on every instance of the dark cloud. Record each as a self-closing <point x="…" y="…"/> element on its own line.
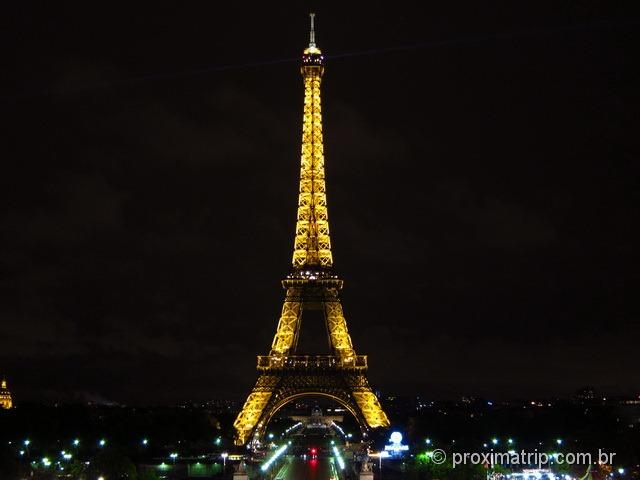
<point x="482" y="196"/>
<point x="491" y="222"/>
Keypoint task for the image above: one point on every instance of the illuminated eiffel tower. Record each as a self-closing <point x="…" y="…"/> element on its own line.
<point x="285" y="374"/>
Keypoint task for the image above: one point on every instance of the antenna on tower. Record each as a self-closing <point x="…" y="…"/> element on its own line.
<point x="312" y="32"/>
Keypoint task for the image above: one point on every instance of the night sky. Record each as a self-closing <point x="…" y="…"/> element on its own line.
<point x="482" y="165"/>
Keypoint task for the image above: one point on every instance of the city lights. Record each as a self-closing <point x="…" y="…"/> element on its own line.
<point x="224" y="456"/>
<point x="338" y="457"/>
<point x="293" y="427"/>
<point x="274" y="457"/>
<point x="487" y="156"/>
<point x="396" y="447"/>
<point x="339" y="428"/>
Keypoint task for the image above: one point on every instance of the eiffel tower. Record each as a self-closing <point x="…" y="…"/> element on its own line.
<point x="285" y="374"/>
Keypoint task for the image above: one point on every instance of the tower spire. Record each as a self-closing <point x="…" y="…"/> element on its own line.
<point x="312" y="32"/>
<point x="312" y="244"/>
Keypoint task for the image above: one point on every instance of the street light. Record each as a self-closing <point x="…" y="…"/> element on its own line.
<point x="173" y="457"/>
<point x="145" y="442"/>
<point x="102" y="442"/>
<point x="380" y="455"/>
<point x="76" y="442"/>
<point x="224" y="462"/>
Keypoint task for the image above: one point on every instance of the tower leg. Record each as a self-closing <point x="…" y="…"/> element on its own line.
<point x="253" y="409"/>
<point x="337" y="326"/>
<point x="289" y="324"/>
<point x="367" y="402"/>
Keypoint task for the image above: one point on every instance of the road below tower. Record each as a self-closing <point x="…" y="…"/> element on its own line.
<point x="307" y="469"/>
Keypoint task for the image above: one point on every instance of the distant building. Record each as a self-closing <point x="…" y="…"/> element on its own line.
<point x="318" y="420"/>
<point x="586" y="394"/>
<point x="5" y="396"/>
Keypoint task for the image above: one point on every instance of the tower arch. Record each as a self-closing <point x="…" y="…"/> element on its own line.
<point x="348" y="404"/>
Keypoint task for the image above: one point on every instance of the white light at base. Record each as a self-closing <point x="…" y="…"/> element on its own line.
<point x="338" y="457"/>
<point x="274" y="457"/>
<point x="396" y="447"/>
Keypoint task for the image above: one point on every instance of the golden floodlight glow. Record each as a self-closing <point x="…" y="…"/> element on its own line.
<point x="284" y="374"/>
<point x="312" y="246"/>
<point x="5" y="396"/>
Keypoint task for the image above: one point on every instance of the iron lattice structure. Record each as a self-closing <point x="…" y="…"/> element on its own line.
<point x="284" y="374"/>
